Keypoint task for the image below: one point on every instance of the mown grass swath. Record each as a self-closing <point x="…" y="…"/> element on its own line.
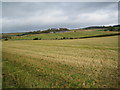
<point x="76" y="63"/>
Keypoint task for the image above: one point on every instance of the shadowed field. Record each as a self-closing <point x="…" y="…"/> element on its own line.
<point x="77" y="63"/>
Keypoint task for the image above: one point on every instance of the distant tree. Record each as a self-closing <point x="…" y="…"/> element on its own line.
<point x="61" y="38"/>
<point x="71" y="38"/>
<point x="6" y="37"/>
<point x="63" y="29"/>
<point x="118" y="29"/>
<point x="110" y="28"/>
<point x="64" y="38"/>
<point x="106" y="30"/>
<point x="116" y="26"/>
<point x="35" y="39"/>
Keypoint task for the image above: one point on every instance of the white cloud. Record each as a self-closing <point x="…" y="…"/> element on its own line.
<point x="98" y="17"/>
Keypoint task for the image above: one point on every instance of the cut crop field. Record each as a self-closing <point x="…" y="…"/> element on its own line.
<point x="76" y="63"/>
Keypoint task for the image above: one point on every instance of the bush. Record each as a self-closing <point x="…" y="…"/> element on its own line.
<point x="61" y="38"/>
<point x="64" y="38"/>
<point x="6" y="39"/>
<point x="105" y="30"/>
<point x="118" y="29"/>
<point x="110" y="28"/>
<point x="35" y="39"/>
<point x="71" y="38"/>
<point x="76" y="38"/>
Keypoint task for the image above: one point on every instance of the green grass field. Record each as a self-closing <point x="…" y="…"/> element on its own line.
<point x="76" y="63"/>
<point x="77" y="34"/>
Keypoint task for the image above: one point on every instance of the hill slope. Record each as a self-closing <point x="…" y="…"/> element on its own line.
<point x="67" y="35"/>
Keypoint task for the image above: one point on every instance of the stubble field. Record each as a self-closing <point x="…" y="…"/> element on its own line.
<point x="76" y="63"/>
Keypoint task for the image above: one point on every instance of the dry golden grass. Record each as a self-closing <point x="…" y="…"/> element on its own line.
<point x="83" y="63"/>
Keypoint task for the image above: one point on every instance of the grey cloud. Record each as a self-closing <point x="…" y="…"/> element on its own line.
<point x="27" y="16"/>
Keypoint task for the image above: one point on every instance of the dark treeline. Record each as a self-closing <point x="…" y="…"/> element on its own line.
<point x="106" y="28"/>
<point x="57" y="30"/>
<point x="63" y="38"/>
<point x="52" y="30"/>
<point x="96" y="27"/>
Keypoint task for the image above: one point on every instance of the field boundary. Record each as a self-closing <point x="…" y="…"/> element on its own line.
<point x="100" y="36"/>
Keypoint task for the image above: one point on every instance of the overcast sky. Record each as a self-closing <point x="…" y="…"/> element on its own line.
<point x="30" y="16"/>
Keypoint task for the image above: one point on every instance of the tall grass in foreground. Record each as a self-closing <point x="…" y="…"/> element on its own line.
<point x="85" y="63"/>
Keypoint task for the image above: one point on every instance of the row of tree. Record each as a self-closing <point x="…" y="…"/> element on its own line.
<point x="55" y="38"/>
<point x="110" y="28"/>
<point x="54" y="30"/>
<point x="106" y="28"/>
